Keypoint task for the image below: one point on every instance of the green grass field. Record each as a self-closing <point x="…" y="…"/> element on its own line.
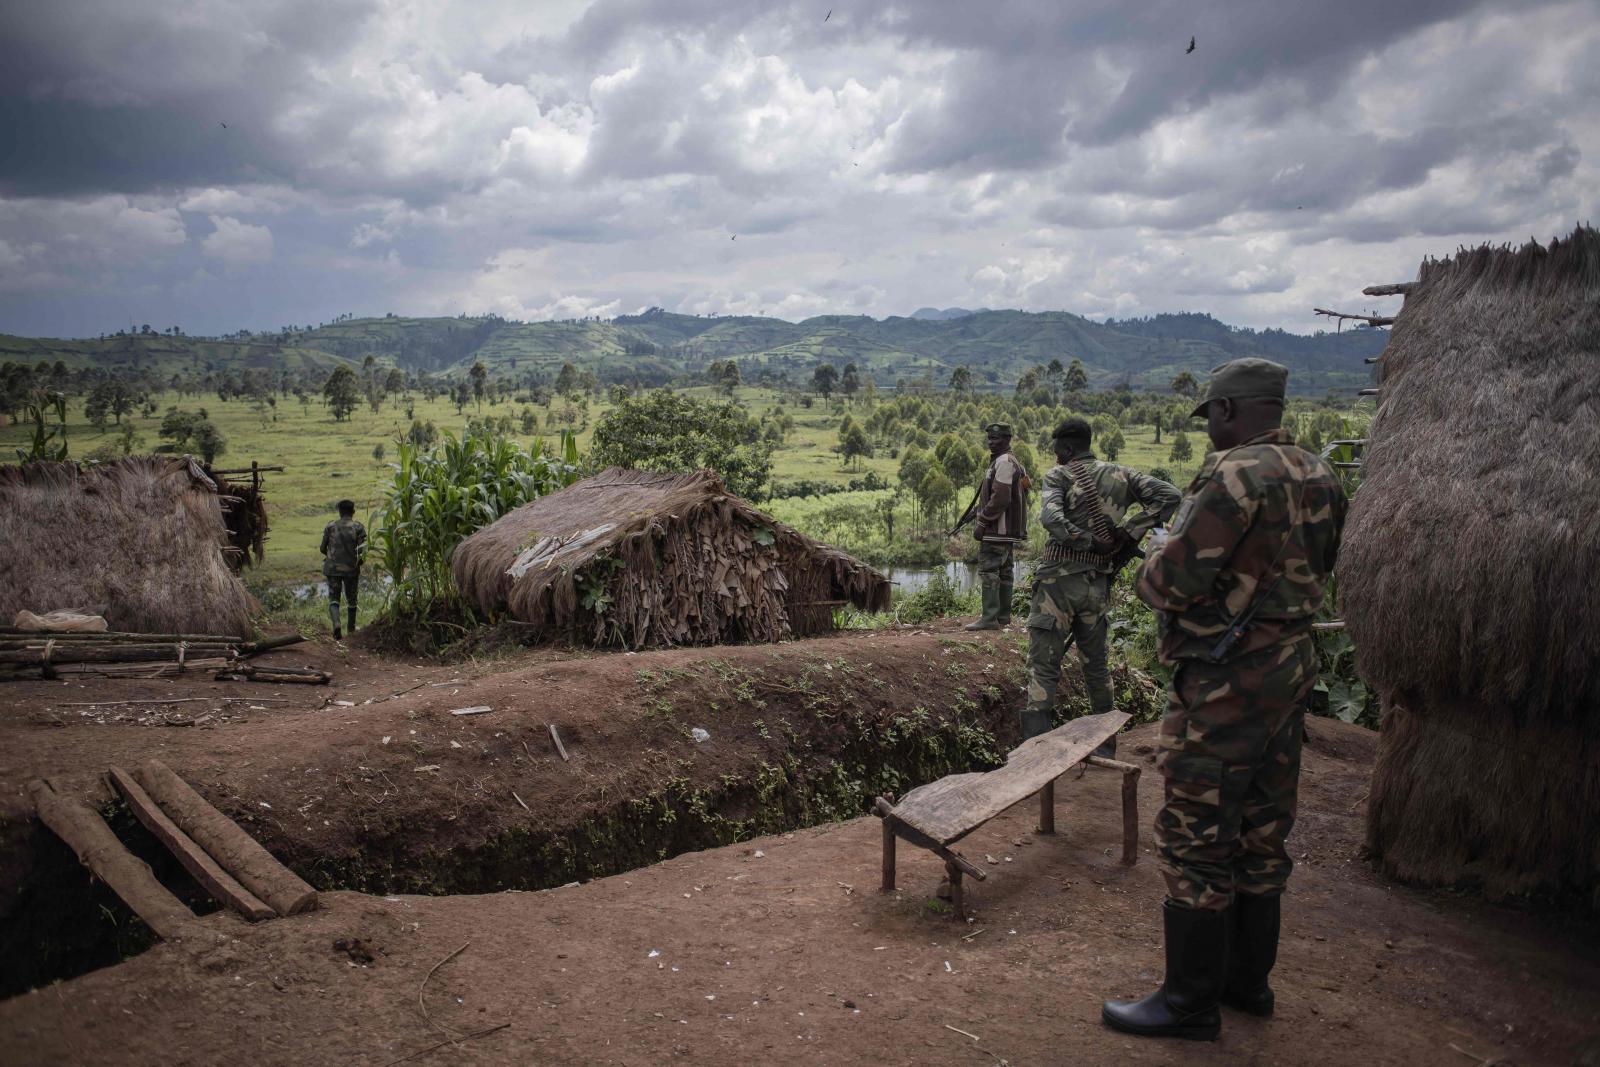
<point x="325" y="461"/>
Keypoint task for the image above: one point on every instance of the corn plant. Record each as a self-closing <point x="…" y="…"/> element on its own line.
<point x="438" y="496"/>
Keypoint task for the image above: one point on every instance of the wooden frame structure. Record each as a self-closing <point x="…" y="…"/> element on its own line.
<point x="937" y="815"/>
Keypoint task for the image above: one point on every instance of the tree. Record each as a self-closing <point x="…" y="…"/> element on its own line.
<point x="1184" y="384"/>
<point x="567" y="380"/>
<point x="936" y="493"/>
<point x="342" y="392"/>
<point x="1112" y="444"/>
<point x="1182" y="450"/>
<point x="823" y="379"/>
<point x="960" y="380"/>
<point x="851" y="380"/>
<point x="480" y="379"/>
<point x="670" y="432"/>
<point x="853" y="444"/>
<point x="1076" y="379"/>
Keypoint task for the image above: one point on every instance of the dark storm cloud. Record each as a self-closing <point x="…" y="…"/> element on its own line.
<point x="564" y="158"/>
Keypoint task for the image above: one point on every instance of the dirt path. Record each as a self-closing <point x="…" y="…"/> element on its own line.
<point x="781" y="948"/>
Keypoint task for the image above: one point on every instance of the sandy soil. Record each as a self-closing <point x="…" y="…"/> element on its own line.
<point x="782" y="947"/>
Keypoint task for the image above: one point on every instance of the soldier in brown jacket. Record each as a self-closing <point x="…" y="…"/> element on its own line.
<point x="1002" y="522"/>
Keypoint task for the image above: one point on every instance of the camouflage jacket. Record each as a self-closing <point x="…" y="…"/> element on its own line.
<point x="1264" y="510"/>
<point x="1067" y="514"/>
<point x="341" y="548"/>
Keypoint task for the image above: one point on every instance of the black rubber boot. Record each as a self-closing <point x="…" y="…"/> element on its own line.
<point x="1197" y="963"/>
<point x="1108" y="748"/>
<point x="350" y="627"/>
<point x="1253" y="949"/>
<point x="1003" y="606"/>
<point x="333" y="614"/>
<point x="1034" y="722"/>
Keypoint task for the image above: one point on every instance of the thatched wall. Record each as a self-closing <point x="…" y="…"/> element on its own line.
<point x="139" y="541"/>
<point x="677" y="559"/>
<point x="1470" y="573"/>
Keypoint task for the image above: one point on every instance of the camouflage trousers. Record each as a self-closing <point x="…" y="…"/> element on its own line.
<point x="1067" y="607"/>
<point x="996" y="563"/>
<point x="1230" y="755"/>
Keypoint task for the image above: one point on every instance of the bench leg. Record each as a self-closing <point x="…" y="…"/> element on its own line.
<point x="888" y="857"/>
<point x="957" y="897"/>
<point x="1130" y="804"/>
<point x="1047" y="808"/>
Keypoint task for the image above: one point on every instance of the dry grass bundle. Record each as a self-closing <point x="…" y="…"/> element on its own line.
<point x="139" y="541"/>
<point x="635" y="558"/>
<point x="1471" y="572"/>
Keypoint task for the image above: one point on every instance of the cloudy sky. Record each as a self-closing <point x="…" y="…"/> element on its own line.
<point x="556" y="158"/>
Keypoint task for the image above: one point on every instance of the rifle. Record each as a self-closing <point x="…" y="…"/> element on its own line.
<point x="966" y="516"/>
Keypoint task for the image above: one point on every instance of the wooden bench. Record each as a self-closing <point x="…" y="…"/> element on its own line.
<point x="937" y="815"/>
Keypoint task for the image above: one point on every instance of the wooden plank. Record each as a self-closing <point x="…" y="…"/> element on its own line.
<point x="236" y="851"/>
<point x="952" y="807"/>
<point x="98" y="849"/>
<point x="222" y="886"/>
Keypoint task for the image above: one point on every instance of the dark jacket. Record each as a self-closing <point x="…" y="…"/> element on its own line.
<point x="341" y="548"/>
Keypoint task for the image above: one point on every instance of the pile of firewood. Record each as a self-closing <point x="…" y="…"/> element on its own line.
<point x="34" y="654"/>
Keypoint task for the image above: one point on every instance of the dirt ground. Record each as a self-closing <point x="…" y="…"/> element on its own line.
<point x="776" y="947"/>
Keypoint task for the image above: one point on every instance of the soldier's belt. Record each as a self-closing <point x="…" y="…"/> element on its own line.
<point x="1056" y="552"/>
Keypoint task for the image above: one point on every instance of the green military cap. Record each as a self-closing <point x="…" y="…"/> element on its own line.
<point x="997" y="429"/>
<point x="1244" y="379"/>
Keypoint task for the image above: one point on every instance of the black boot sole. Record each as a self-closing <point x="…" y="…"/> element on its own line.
<point x="1180" y="1031"/>
<point x="1260" y="1008"/>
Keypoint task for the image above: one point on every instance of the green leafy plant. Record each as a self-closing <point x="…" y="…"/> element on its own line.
<point x="439" y="496"/>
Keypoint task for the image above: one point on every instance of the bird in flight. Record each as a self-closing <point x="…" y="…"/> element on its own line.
<point x="735" y="237"/>
<point x="1186" y="51"/>
<point x="828" y="16"/>
<point x="224" y="125"/>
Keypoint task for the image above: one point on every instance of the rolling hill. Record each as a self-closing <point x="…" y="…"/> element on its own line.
<point x="656" y="346"/>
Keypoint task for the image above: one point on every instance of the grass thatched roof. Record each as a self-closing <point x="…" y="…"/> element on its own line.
<point x="1471" y="562"/>
<point x="1470" y="574"/>
<point x="140" y="541"/>
<point x="637" y="558"/>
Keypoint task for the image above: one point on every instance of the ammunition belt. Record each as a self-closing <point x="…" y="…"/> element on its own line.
<point x="1056" y="552"/>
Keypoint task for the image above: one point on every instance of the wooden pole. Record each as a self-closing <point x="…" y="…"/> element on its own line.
<point x="98" y="849"/>
<point x="1130" y="805"/>
<point x="236" y="851"/>
<point x="222" y="886"/>
<point x="1392" y="289"/>
<point x="958" y="899"/>
<point x="888" y="856"/>
<point x="1047" y="808"/>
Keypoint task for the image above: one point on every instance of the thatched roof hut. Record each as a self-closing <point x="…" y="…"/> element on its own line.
<point x="1470" y="573"/>
<point x="140" y="541"/>
<point x="635" y="558"/>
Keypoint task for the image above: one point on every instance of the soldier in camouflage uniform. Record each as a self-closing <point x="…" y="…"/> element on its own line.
<point x="342" y="541"/>
<point x="1236" y="585"/>
<point x="1084" y="504"/>
<point x="1002" y="521"/>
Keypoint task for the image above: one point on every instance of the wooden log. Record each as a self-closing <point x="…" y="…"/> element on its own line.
<point x="8" y="632"/>
<point x="266" y="673"/>
<point x="253" y="648"/>
<point x="1392" y="289"/>
<point x="98" y="849"/>
<point x="236" y="851"/>
<point x="222" y="886"/>
<point x="1047" y="808"/>
<point x="69" y="653"/>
